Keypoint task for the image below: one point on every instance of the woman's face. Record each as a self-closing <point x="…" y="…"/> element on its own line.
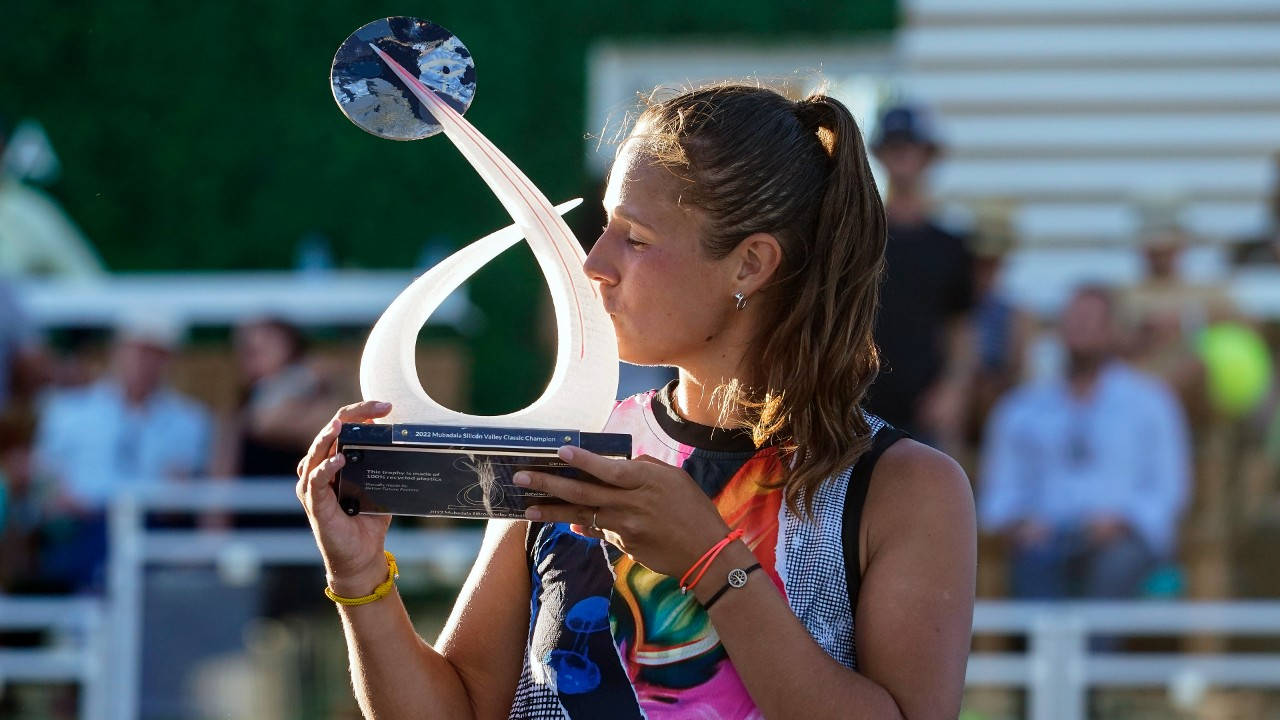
<point x="669" y="301"/>
<point x="262" y="351"/>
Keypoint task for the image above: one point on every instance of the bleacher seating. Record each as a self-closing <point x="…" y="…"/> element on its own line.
<point x="1071" y="107"/>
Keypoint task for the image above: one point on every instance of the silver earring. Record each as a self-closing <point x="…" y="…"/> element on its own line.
<point x="742" y="300"/>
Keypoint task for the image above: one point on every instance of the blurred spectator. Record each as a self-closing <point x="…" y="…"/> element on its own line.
<point x="1086" y="475"/>
<point x="36" y="238"/>
<point x="926" y="341"/>
<point x="20" y="505"/>
<point x="284" y="398"/>
<point x="126" y="429"/>
<point x="27" y="365"/>
<point x="1265" y="249"/>
<point x="17" y="345"/>
<point x="1002" y="330"/>
<point x="1165" y="313"/>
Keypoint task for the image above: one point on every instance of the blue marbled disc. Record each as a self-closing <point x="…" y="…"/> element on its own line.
<point x="371" y="95"/>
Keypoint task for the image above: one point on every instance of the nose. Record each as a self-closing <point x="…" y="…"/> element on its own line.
<point x="599" y="265"/>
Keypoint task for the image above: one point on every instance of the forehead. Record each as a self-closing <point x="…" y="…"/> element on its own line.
<point x="637" y="180"/>
<point x="1091" y="303"/>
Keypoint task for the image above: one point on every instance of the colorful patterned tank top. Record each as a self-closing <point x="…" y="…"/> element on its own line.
<point x="611" y="638"/>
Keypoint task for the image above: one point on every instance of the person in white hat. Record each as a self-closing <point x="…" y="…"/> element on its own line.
<point x="128" y="428"/>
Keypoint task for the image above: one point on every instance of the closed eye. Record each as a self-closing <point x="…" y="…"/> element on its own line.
<point x="633" y="241"/>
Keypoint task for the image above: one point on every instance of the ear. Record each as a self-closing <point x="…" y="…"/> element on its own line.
<point x="758" y="258"/>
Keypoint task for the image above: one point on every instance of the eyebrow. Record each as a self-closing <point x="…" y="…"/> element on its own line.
<point x="629" y="216"/>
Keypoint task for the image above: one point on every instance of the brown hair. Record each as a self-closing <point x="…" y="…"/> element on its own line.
<point x="757" y="162"/>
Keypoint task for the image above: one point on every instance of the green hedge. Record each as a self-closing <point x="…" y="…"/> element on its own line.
<point x="202" y="135"/>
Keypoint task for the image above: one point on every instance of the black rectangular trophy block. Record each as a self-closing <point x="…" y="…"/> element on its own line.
<point x="450" y="471"/>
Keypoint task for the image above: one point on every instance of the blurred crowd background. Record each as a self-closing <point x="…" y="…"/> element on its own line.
<point x="1082" y="299"/>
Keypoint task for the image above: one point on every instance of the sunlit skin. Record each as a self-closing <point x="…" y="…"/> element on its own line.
<point x="672" y="304"/>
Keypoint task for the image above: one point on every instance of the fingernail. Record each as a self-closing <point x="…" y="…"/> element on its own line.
<point x="533" y="513"/>
<point x="566" y="452"/>
<point x="380" y="406"/>
<point x="521" y="479"/>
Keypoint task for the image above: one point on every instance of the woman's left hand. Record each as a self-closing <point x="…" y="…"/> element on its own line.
<point x="652" y="511"/>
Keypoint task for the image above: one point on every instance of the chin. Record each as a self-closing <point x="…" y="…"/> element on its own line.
<point x="640" y="353"/>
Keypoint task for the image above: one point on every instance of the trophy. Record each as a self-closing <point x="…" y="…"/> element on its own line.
<point x="407" y="79"/>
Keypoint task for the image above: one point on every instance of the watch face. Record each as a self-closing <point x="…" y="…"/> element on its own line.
<point x="737" y="577"/>
<point x="373" y="97"/>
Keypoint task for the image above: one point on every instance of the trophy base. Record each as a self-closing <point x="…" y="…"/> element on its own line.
<point x="450" y="471"/>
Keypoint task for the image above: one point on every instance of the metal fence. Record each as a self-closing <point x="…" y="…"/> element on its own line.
<point x="98" y="643"/>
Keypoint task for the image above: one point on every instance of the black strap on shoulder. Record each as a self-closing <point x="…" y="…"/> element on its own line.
<point x="531" y="537"/>
<point x="854" y="499"/>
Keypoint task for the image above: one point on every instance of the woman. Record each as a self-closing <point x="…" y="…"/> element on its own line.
<point x="282" y="392"/>
<point x="744" y="244"/>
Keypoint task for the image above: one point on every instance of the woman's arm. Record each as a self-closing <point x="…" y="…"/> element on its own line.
<point x="485" y="637"/>
<point x="473" y="668"/>
<point x="919" y="560"/>
<point x="395" y="673"/>
<point x="915" y="607"/>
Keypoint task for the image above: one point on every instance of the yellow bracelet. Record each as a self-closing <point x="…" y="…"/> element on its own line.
<point x="383" y="590"/>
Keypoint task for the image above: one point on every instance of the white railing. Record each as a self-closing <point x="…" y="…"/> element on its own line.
<point x="339" y="297"/>
<point x="1057" y="670"/>
<point x="450" y="552"/>
<point x="76" y="655"/>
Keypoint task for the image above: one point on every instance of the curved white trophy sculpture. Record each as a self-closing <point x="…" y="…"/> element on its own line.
<point x="583" y="386"/>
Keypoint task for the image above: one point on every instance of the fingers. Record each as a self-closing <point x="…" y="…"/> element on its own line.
<point x="608" y="470"/>
<point x="317" y="488"/>
<point x="579" y="516"/>
<point x="322" y="446"/>
<point x="362" y="411"/>
<point x="578" y="492"/>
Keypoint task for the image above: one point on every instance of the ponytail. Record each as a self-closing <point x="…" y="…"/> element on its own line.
<point x="823" y="349"/>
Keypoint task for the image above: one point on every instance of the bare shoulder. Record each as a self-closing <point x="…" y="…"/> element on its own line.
<point x="917" y="491"/>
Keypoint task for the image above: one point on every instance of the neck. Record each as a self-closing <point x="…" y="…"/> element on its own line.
<point x="694" y="402"/>
<point x="134" y="395"/>
<point x="1082" y="373"/>
<point x="719" y="361"/>
<point x="695" y="398"/>
<point x="136" y="398"/>
<point x="907" y="205"/>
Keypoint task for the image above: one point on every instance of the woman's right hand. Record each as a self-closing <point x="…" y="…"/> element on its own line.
<point x="352" y="547"/>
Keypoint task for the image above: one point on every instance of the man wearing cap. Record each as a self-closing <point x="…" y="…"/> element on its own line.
<point x="128" y="429"/>
<point x="926" y="342"/>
